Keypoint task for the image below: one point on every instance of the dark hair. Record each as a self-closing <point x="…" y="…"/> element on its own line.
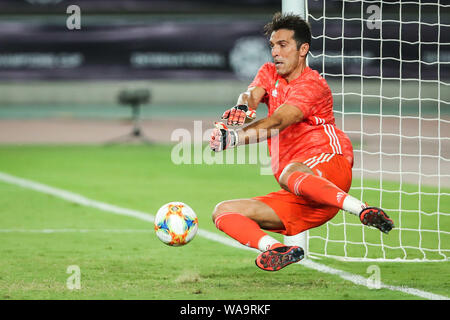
<point x="289" y="21"/>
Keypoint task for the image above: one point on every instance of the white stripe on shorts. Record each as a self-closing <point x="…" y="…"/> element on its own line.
<point x="314" y="161"/>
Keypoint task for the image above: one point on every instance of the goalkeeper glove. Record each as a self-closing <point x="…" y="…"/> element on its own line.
<point x="222" y="137"/>
<point x="238" y="114"/>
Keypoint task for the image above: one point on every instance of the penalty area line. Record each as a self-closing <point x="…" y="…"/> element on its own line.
<point x="81" y="200"/>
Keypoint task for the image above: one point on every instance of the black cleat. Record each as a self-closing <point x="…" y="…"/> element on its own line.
<point x="375" y="217"/>
<point x="278" y="258"/>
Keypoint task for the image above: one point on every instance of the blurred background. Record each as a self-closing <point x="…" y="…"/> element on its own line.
<point x="61" y="85"/>
<point x="196" y="56"/>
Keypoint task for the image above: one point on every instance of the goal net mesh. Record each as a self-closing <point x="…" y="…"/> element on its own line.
<point x="387" y="64"/>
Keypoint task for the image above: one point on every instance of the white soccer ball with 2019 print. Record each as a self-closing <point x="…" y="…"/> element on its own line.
<point x="176" y="224"/>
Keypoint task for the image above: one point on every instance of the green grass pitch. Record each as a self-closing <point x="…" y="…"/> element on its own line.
<point x="120" y="257"/>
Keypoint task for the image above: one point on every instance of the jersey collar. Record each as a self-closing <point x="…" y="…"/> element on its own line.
<point x="281" y="80"/>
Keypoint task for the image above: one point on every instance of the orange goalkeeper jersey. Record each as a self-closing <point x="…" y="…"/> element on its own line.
<point x="317" y="132"/>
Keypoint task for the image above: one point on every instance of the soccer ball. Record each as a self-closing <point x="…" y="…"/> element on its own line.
<point x="176" y="224"/>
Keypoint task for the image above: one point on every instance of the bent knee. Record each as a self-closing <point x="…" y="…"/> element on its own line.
<point x="285" y="174"/>
<point x="222" y="207"/>
<point x="288" y="170"/>
<point x="241" y="206"/>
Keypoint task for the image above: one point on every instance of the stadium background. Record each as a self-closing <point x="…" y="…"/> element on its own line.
<point x="60" y="87"/>
<point x="195" y="57"/>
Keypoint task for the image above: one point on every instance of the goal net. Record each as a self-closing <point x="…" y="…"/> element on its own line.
<point x="387" y="64"/>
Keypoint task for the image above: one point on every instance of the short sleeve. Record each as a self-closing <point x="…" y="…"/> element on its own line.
<point x="305" y="96"/>
<point x="264" y="77"/>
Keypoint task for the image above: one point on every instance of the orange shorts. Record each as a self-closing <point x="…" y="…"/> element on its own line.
<point x="299" y="214"/>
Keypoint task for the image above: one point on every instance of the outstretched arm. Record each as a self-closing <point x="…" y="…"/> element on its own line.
<point x="245" y="108"/>
<point x="222" y="137"/>
<point x="263" y="129"/>
<point x="252" y="97"/>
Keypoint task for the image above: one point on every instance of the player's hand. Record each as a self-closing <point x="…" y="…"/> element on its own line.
<point x="238" y="114"/>
<point x="222" y="137"/>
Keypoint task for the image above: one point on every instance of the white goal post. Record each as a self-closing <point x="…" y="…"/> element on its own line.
<point x="387" y="64"/>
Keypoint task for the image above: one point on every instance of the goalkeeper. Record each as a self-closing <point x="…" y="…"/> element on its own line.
<point x="312" y="163"/>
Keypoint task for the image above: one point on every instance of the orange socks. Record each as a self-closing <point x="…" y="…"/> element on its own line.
<point x="316" y="188"/>
<point x="245" y="230"/>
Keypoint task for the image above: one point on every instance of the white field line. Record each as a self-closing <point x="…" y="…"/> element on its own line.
<point x="15" y="230"/>
<point x="81" y="200"/>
